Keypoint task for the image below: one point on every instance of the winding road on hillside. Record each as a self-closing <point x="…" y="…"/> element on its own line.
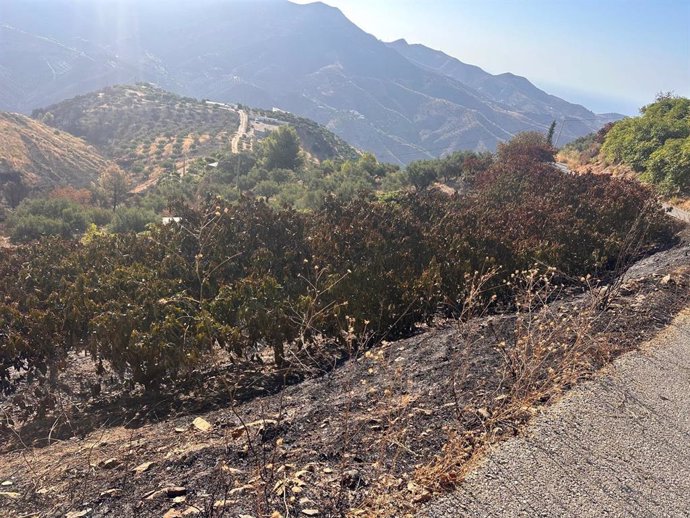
<point x="241" y="131"/>
<point x="618" y="446"/>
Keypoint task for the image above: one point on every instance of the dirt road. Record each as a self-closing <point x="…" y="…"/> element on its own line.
<point x="618" y="447"/>
<point x="241" y="132"/>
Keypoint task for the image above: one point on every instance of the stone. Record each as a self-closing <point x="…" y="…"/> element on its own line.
<point x="141" y="468"/>
<point x="110" y="463"/>
<point x="201" y="424"/>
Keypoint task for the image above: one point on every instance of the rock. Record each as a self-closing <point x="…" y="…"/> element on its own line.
<point x="6" y="483"/>
<point x="237" y="490"/>
<point x="179" y="499"/>
<point x="666" y="279"/>
<point x="242" y="430"/>
<point x="110" y="463"/>
<point x="310" y="512"/>
<point x="173" y="513"/>
<point x="143" y="467"/>
<point x="79" y="514"/>
<point x="111" y="492"/>
<point x="201" y="424"/>
<point x="232" y="471"/>
<point x="352" y="479"/>
<point x="190" y="511"/>
<point x="421" y="498"/>
<point x="420" y="494"/>
<point x="9" y="494"/>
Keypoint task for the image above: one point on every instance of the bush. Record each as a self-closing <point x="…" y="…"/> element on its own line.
<point x="655" y="144"/>
<point x="132" y="219"/>
<point x="39" y="217"/>
<point x="246" y="275"/>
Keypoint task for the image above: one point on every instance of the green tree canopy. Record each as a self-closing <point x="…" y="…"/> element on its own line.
<point x="281" y="150"/>
<point x="655" y="143"/>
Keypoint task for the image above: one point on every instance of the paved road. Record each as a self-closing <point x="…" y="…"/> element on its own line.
<point x="618" y="446"/>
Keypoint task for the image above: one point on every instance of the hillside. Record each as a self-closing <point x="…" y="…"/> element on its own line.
<point x="655" y="147"/>
<point x="392" y="428"/>
<point x="508" y="89"/>
<point x="36" y="157"/>
<point x="144" y="128"/>
<point x="263" y="54"/>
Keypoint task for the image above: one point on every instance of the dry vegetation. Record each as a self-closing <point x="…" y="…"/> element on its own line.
<point x="376" y="437"/>
<point x="36" y="156"/>
<point x="351" y="361"/>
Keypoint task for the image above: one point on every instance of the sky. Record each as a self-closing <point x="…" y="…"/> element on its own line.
<point x="609" y="55"/>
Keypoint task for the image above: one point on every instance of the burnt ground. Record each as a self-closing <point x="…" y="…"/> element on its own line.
<point x="377" y="436"/>
<point x="615" y="446"/>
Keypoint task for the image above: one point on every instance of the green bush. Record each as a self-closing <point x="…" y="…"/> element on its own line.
<point x="656" y="144"/>
<point x="132" y="219"/>
<point x="40" y="217"/>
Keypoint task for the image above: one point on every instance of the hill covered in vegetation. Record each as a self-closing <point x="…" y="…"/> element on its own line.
<point x="35" y="158"/>
<point x="654" y="145"/>
<point x="147" y="130"/>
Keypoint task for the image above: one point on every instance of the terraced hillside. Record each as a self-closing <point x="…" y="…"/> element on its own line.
<point x="142" y="127"/>
<point x="146" y="129"/>
<point x="36" y="157"/>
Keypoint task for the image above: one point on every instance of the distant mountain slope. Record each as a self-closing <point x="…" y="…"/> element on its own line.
<point x="34" y="156"/>
<point x="36" y="70"/>
<point x="143" y="127"/>
<point x="306" y="59"/>
<point x="514" y="91"/>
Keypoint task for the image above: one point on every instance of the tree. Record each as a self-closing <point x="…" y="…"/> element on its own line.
<point x="15" y="192"/>
<point x="655" y="144"/>
<point x="549" y="135"/>
<point x="529" y="146"/>
<point x="422" y="173"/>
<point x="281" y="150"/>
<point x="669" y="167"/>
<point x="80" y="196"/>
<point x="115" y="184"/>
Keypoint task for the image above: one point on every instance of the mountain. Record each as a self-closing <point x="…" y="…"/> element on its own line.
<point x="143" y="127"/>
<point x="306" y="59"/>
<point x="36" y="157"/>
<point x="508" y="89"/>
<point x="36" y="70"/>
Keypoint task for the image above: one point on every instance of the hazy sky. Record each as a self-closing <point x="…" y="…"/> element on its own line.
<point x="610" y="55"/>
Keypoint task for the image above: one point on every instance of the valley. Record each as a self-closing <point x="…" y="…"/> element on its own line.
<point x="398" y="101"/>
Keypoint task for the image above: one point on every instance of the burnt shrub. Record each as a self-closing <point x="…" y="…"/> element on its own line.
<point x="242" y="276"/>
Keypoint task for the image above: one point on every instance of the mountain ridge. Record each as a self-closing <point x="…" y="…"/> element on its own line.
<point x="306" y="59"/>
